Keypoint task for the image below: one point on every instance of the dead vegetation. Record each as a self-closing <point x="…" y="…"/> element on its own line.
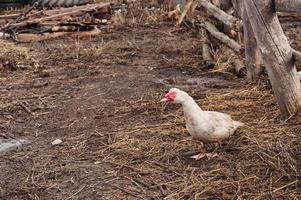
<point x="257" y="163"/>
<point x="13" y="57"/>
<point x="118" y="141"/>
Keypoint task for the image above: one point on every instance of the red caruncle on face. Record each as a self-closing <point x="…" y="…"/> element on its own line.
<point x="170" y="96"/>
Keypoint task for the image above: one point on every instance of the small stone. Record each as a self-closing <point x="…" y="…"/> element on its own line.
<point x="56" y="142"/>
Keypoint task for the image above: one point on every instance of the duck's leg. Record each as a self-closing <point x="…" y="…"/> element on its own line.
<point x="193" y="152"/>
<point x="210" y="155"/>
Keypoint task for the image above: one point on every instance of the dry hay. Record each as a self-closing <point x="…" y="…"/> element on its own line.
<point x="259" y="162"/>
<point x="13" y="57"/>
<point x="144" y="13"/>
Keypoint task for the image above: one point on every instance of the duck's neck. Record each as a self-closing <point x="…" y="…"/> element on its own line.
<point x="190" y="106"/>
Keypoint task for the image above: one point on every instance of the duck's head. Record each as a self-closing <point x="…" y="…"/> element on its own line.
<point x="175" y="95"/>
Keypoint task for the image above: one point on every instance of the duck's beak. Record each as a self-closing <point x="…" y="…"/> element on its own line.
<point x="164" y="100"/>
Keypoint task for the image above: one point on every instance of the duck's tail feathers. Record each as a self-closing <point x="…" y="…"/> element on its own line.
<point x="238" y="124"/>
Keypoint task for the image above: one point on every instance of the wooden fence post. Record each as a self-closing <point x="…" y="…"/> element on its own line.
<point x="276" y="53"/>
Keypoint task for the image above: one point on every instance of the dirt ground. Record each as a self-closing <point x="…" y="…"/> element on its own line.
<point x="101" y="98"/>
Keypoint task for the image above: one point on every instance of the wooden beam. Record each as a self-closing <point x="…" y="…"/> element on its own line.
<point x="277" y="55"/>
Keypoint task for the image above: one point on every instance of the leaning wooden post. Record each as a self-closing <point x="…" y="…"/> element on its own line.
<point x="252" y="53"/>
<point x="276" y="53"/>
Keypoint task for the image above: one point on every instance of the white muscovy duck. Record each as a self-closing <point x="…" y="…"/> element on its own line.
<point x="206" y="126"/>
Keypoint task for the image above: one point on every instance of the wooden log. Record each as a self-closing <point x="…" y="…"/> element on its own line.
<point x="226" y="6"/>
<point x="221" y="36"/>
<point x="288" y="5"/>
<point x="277" y="55"/>
<point x="31" y="37"/>
<point x="228" y="20"/>
<point x="252" y="53"/>
<point x="208" y="61"/>
<point x="207" y="57"/>
<point x="237" y="65"/>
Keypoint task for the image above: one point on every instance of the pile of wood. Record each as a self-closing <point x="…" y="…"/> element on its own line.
<point x="251" y="31"/>
<point x="34" y="25"/>
<point x="228" y="32"/>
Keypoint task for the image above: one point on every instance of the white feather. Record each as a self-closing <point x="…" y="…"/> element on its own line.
<point x="207" y="126"/>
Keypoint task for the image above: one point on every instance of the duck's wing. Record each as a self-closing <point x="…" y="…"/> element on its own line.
<point x="221" y="122"/>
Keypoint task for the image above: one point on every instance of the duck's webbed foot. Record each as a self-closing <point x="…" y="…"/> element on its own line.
<point x="202" y="155"/>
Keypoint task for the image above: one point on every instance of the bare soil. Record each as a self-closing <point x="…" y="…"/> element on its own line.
<point x="101" y="98"/>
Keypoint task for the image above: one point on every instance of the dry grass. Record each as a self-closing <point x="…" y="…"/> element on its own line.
<point x="260" y="162"/>
<point x="13" y="57"/>
<point x="146" y="160"/>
